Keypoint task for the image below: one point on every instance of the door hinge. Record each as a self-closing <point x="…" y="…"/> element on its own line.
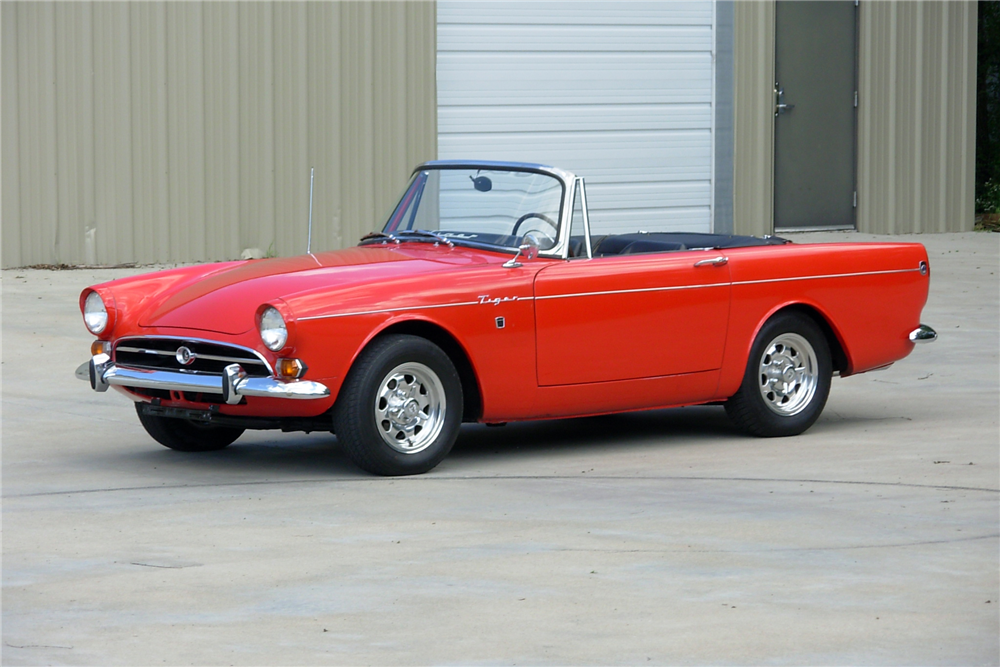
<point x="855" y="99"/>
<point x="855" y="199"/>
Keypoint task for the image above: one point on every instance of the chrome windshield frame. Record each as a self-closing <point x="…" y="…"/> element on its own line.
<point x="567" y="179"/>
<point x="578" y="182"/>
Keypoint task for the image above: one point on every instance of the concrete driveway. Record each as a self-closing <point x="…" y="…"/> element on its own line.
<point x="647" y="538"/>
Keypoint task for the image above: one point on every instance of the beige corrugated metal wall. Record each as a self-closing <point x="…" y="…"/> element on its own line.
<point x="146" y="132"/>
<point x="753" y="111"/>
<point x="916" y="116"/>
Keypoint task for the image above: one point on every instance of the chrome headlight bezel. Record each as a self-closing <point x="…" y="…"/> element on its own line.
<point x="272" y="329"/>
<point x="95" y="314"/>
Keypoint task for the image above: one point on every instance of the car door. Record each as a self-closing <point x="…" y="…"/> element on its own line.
<point x="631" y="316"/>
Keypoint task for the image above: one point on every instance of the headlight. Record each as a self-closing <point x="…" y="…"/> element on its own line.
<point x="272" y="329"/>
<point x="95" y="315"/>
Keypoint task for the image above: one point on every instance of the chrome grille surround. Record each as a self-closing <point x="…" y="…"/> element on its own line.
<point x="209" y="357"/>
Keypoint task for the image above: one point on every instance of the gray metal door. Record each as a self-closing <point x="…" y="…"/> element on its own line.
<point x="815" y="114"/>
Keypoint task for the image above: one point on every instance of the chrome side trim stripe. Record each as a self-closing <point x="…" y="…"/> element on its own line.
<point x="831" y="275"/>
<point x="726" y="284"/>
<point x="637" y="290"/>
<point x="609" y="292"/>
<point x="396" y="310"/>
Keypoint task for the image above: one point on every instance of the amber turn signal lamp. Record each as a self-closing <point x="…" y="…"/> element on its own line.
<point x="290" y="369"/>
<point x="100" y="347"/>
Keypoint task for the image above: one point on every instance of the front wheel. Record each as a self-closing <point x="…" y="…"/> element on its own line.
<point x="787" y="380"/>
<point x="187" y="436"/>
<point x="400" y="408"/>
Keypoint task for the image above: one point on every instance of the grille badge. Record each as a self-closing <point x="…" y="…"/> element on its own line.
<point x="185" y="357"/>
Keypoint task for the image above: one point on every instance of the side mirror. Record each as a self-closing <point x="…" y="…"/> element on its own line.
<point x="528" y="250"/>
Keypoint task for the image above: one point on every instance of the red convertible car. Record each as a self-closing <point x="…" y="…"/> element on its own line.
<point x="486" y="298"/>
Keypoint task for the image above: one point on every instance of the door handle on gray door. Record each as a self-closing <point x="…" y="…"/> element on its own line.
<point x="779" y="105"/>
<point x="715" y="261"/>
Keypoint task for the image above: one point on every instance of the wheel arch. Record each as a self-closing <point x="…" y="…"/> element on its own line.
<point x="435" y="333"/>
<point x="838" y="351"/>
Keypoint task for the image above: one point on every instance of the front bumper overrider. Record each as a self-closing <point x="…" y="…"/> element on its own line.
<point x="232" y="385"/>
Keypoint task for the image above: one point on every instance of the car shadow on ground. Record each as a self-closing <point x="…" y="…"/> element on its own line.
<point x="653" y="428"/>
<point x="294" y="455"/>
<point x="275" y="455"/>
<point x="257" y="454"/>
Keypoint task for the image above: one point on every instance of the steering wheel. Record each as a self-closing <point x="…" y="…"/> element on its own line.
<point x="540" y="216"/>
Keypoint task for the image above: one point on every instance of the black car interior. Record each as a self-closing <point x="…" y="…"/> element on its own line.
<point x="648" y="242"/>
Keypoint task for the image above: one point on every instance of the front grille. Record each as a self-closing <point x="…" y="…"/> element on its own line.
<point x="209" y="357"/>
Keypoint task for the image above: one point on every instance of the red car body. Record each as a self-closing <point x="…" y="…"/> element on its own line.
<point x="610" y="348"/>
<point x="548" y="337"/>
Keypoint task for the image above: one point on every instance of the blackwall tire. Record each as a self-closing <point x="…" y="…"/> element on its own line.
<point x="400" y="408"/>
<point x="187" y="436"/>
<point x="787" y="379"/>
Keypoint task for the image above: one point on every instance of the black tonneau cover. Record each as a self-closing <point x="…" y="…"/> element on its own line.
<point x="644" y="242"/>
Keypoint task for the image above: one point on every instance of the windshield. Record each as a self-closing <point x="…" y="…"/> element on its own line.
<point x="494" y="207"/>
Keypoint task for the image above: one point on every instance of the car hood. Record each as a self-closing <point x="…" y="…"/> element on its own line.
<point x="226" y="300"/>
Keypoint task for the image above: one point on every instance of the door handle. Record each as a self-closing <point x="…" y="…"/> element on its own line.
<point x="715" y="261"/>
<point x="779" y="105"/>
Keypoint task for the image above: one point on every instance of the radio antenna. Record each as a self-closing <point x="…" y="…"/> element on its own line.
<point x="309" y="240"/>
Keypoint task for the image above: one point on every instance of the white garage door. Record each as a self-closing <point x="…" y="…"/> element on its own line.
<point x="621" y="93"/>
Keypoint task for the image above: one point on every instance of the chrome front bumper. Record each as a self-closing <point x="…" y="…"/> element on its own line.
<point x="923" y="334"/>
<point x="233" y="385"/>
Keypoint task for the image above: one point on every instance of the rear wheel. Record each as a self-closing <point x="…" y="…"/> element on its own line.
<point x="400" y="408"/>
<point x="187" y="436"/>
<point x="787" y="380"/>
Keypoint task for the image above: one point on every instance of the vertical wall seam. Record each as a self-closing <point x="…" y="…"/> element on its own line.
<point x="204" y="124"/>
<point x="131" y="117"/>
<point x="864" y="116"/>
<point x="240" y="149"/>
<point x="273" y="102"/>
<point x="968" y="174"/>
<point x="17" y="79"/>
<point x="893" y="65"/>
<point x="769" y="63"/>
<point x="918" y="212"/>
<point x="167" y="101"/>
<point x="54" y="247"/>
<point x="945" y="117"/>
<point x="131" y="147"/>
<point x="167" y="94"/>
<point x="93" y="111"/>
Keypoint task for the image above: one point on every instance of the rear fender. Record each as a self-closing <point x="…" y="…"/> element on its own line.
<point x="839" y="349"/>
<point x="735" y="368"/>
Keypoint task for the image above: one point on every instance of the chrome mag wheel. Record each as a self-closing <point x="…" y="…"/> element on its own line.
<point x="788" y="374"/>
<point x="400" y="407"/>
<point x="410" y="406"/>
